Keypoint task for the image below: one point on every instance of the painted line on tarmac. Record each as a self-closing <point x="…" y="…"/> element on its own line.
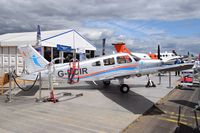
<point x="182" y="115"/>
<point x="176" y="117"/>
<point x="175" y="121"/>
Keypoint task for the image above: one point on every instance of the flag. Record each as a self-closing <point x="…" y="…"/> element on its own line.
<point x="38" y="35"/>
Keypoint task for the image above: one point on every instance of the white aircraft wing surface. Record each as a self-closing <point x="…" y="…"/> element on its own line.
<point x="165" y="68"/>
<point x="176" y="67"/>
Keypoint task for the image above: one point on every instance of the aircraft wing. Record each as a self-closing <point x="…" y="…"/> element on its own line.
<point x="177" y="67"/>
<point x="165" y="68"/>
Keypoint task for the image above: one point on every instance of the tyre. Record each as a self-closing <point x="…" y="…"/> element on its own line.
<point x="124" y="88"/>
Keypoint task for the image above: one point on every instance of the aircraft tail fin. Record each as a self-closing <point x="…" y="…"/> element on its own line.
<point x="120" y="47"/>
<point x="34" y="62"/>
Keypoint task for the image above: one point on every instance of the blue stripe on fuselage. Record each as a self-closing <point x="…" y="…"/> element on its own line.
<point x="110" y="71"/>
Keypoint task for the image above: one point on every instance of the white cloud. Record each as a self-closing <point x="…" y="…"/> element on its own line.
<point x="25" y="15"/>
<point x="96" y="34"/>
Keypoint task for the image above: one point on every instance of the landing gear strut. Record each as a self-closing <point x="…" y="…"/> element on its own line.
<point x="150" y="83"/>
<point x="106" y="82"/>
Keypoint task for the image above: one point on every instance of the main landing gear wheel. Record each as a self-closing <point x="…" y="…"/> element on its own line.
<point x="106" y="82"/>
<point x="124" y="88"/>
<point x="150" y="83"/>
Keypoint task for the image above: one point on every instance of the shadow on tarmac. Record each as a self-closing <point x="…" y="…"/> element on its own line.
<point x="187" y="89"/>
<point x="154" y="111"/>
<point x="131" y="101"/>
<point x="30" y="92"/>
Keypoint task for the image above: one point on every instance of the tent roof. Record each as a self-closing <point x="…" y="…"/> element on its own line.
<point x="68" y="37"/>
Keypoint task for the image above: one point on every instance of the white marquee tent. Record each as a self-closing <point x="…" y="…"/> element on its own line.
<point x="9" y="55"/>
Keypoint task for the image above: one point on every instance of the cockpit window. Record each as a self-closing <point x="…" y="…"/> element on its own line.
<point x="109" y="61"/>
<point x="136" y="58"/>
<point x="97" y="63"/>
<point x="123" y="59"/>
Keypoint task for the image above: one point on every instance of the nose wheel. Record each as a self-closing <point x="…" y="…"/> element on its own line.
<point x="124" y="88"/>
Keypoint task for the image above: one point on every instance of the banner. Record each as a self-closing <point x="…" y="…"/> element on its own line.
<point x="64" y="48"/>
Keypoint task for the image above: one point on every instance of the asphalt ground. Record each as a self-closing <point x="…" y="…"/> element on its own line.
<point x="163" y="117"/>
<point x="100" y="109"/>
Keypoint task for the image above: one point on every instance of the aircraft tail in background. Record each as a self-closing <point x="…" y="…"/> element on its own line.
<point x="121" y="47"/>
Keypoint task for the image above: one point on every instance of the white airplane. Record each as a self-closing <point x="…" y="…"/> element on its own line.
<point x="121" y="47"/>
<point x="106" y="68"/>
<point x="167" y="58"/>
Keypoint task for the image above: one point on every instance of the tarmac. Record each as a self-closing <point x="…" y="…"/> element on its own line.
<point x="101" y="109"/>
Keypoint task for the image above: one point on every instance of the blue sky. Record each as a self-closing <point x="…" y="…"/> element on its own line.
<point x="141" y="24"/>
<point x="152" y="30"/>
<point x="145" y="28"/>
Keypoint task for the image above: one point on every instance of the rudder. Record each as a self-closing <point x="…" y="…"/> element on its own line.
<point x="34" y="62"/>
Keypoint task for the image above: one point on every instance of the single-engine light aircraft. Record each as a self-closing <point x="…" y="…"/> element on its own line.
<point x="106" y="68"/>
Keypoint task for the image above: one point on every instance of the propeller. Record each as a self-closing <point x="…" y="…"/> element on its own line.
<point x="159" y="52"/>
<point x="103" y="49"/>
<point x="174" y="52"/>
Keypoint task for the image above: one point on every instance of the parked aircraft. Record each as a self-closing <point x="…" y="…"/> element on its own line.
<point x="106" y="68"/>
<point x="121" y="47"/>
<point x="196" y="69"/>
<point x="167" y="58"/>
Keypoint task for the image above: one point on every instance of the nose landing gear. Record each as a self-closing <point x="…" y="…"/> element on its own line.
<point x="124" y="88"/>
<point x="150" y="83"/>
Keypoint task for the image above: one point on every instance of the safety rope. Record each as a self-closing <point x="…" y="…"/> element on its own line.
<point x="23" y="72"/>
<point x="24" y="88"/>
